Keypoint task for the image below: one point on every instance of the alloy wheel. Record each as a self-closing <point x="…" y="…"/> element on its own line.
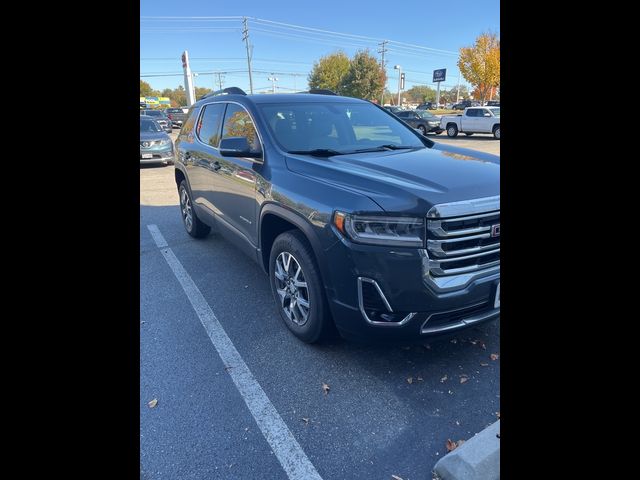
<point x="292" y="288"/>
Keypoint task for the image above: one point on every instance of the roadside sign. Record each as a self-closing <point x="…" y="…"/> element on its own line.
<point x="402" y="81"/>
<point x="439" y="75"/>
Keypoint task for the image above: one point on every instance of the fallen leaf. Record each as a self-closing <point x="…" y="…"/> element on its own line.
<point x="451" y="445"/>
<point x="153" y="403"/>
<point x="484" y="347"/>
<point x="443" y="379"/>
<point x="305" y="420"/>
<point x="494" y="356"/>
<point x="420" y="379"/>
<point x="396" y="477"/>
<point x="453" y="340"/>
<point x="473" y="342"/>
<point x="498" y="415"/>
<point x="427" y="346"/>
<point x="227" y="368"/>
<point x="410" y="380"/>
<point x="325" y="388"/>
<point x="457" y="423"/>
<point x="464" y="379"/>
<point x="484" y="364"/>
<point x="142" y="322"/>
<point x="450" y="392"/>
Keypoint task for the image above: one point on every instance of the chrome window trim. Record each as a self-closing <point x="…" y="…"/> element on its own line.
<point x="465" y="207"/>
<point x="386" y="304"/>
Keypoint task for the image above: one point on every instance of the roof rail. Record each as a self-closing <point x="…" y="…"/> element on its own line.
<point x="224" y="91"/>
<point x="321" y="91"/>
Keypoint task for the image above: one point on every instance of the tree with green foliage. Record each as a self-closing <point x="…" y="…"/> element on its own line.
<point x="420" y="94"/>
<point x="365" y="78"/>
<point x="146" y="90"/>
<point x="480" y="64"/>
<point x="329" y="72"/>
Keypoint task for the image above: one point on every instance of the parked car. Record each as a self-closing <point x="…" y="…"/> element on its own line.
<point x="465" y="104"/>
<point x="160" y="117"/>
<point x="493" y="103"/>
<point x="422" y="120"/>
<point x="143" y="105"/>
<point x="177" y="116"/>
<point x="155" y="145"/>
<point x="372" y="228"/>
<point x="427" y="106"/>
<point x="474" y="120"/>
<point x="393" y="109"/>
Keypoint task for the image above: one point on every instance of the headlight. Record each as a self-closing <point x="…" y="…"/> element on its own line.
<point x="379" y="230"/>
<point x="165" y="141"/>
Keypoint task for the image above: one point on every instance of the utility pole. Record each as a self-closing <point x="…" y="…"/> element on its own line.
<point x="220" y="80"/>
<point x="273" y="79"/>
<point x="245" y="38"/>
<point x="458" y="92"/>
<point x="383" y="49"/>
<point x="399" y="68"/>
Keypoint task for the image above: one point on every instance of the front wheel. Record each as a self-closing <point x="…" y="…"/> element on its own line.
<point x="192" y="223"/>
<point x="452" y="130"/>
<point x="496" y="132"/>
<point x="422" y="129"/>
<point x="297" y="287"/>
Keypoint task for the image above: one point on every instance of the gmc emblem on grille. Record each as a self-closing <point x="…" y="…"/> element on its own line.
<point x="495" y="230"/>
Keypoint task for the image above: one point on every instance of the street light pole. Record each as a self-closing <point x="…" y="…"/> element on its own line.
<point x="399" y="68"/>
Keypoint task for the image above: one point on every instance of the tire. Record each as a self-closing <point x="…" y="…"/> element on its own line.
<point x="422" y="129"/>
<point x="192" y="224"/>
<point x="291" y="249"/>
<point x="469" y="134"/>
<point x="496" y="132"/>
<point x="452" y="130"/>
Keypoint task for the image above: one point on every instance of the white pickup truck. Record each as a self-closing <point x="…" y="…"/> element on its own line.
<point x="473" y="120"/>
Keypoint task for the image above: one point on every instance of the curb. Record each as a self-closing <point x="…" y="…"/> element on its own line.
<point x="476" y="459"/>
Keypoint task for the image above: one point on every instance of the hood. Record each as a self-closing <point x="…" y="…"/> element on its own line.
<point x="408" y="181"/>
<point x="148" y="136"/>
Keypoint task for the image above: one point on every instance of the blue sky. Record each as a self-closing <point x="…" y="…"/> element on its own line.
<point x="426" y="31"/>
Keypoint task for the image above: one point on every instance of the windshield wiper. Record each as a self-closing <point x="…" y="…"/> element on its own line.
<point x="318" y="152"/>
<point x="381" y="148"/>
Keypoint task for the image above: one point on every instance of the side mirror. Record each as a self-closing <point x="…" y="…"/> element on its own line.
<point x="237" y="147"/>
<point x="487" y="114"/>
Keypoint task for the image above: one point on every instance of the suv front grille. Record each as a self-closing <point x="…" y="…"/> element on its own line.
<point x="463" y="244"/>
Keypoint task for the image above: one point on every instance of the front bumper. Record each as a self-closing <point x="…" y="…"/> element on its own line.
<point x="417" y="305"/>
<point x="158" y="156"/>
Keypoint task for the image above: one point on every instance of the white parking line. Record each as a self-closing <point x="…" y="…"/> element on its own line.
<point x="286" y="448"/>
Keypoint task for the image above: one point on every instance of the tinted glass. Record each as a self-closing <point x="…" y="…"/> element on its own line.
<point x="337" y="126"/>
<point x="238" y="123"/>
<point x="208" y="129"/>
<point x="425" y="114"/>
<point x="154" y="113"/>
<point x="149" y="126"/>
<point x="472" y="113"/>
<point x="496" y="111"/>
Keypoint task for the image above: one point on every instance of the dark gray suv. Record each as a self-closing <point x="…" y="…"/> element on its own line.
<point x="359" y="221"/>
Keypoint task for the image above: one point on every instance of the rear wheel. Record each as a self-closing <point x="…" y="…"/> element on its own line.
<point x="297" y="287"/>
<point x="422" y="129"/>
<point x="192" y="223"/>
<point x="452" y="130"/>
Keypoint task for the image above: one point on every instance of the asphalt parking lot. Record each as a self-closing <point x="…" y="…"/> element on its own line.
<point x="389" y="411"/>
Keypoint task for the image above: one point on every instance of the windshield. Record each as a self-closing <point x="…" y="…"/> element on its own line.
<point x="149" y="126"/>
<point x="495" y="111"/>
<point x="425" y="114"/>
<point x="338" y="127"/>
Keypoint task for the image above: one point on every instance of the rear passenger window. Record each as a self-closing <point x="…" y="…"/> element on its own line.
<point x="208" y="129"/>
<point x="186" y="132"/>
<point x="472" y="113"/>
<point x="238" y="123"/>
